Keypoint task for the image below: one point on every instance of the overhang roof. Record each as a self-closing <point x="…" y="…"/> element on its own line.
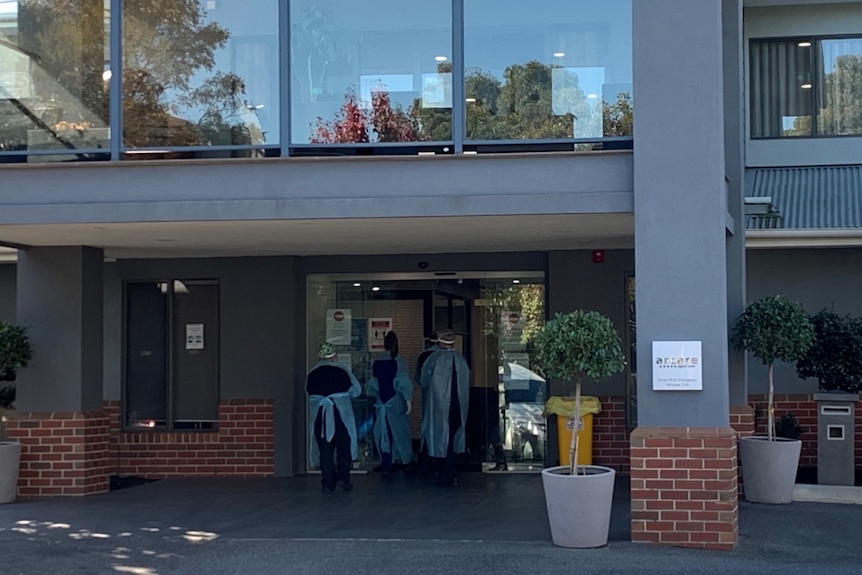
<point x="825" y="198"/>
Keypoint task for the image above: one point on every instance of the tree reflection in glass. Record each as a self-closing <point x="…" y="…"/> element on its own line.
<point x="177" y="90"/>
<point x="53" y="89"/>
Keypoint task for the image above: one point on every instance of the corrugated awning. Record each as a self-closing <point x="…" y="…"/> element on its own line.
<point x="809" y="198"/>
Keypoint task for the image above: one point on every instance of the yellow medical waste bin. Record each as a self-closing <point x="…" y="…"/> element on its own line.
<point x="564" y="409"/>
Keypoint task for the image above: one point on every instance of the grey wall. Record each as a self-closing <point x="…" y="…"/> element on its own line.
<point x="261" y="329"/>
<point x="575" y="282"/>
<point x="59" y="301"/>
<point x="319" y="188"/>
<point x="817" y="278"/>
<point x="7" y="292"/>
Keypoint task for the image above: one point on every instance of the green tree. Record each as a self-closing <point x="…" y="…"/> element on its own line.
<point x="773" y="329"/>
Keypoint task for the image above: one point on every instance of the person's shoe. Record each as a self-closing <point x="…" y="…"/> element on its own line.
<point x="345" y="486"/>
<point x="377" y="469"/>
<point x="326" y="489"/>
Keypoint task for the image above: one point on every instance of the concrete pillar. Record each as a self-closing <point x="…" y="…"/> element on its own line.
<point x="683" y="457"/>
<point x="59" y="293"/>
<point x="734" y="137"/>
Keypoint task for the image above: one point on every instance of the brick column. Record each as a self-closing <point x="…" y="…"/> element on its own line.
<point x="62" y="453"/>
<point x="684" y="487"/>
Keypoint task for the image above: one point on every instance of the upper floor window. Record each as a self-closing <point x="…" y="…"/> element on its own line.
<point x="806" y="87"/>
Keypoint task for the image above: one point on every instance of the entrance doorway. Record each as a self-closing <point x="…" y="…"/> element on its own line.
<point x="492" y="316"/>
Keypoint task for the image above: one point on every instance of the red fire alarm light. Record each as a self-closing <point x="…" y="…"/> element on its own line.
<point x="598" y="256"/>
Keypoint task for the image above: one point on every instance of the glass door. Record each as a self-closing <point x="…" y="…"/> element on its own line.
<point x="516" y="435"/>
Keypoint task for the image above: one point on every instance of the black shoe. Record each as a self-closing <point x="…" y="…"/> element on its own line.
<point x="326" y="489"/>
<point x="345" y="486"/>
<point x="378" y="468"/>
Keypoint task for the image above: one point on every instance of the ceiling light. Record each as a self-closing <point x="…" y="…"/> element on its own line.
<point x="470" y="100"/>
<point x="806" y="86"/>
<point x="357" y="284"/>
<point x="559" y="54"/>
<point x="804" y="44"/>
<point x="516" y="281"/>
<point x="375" y="288"/>
<point x="441" y="58"/>
<point x="592" y="96"/>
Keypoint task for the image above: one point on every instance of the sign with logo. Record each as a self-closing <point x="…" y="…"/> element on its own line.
<point x="677" y="366"/>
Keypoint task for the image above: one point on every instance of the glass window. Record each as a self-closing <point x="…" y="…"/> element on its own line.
<point x="172" y="355"/>
<point x="376" y="71"/>
<point x="781" y="88"/>
<point x="53" y="79"/>
<point x="200" y="73"/>
<point x="806" y="87"/>
<point x="553" y="69"/>
<point x="840" y="108"/>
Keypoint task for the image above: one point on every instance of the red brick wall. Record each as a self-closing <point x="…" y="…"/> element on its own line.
<point x="684" y="487"/>
<point x="610" y="437"/>
<point x="804" y="408"/>
<point x="62" y="453"/>
<point x="243" y="445"/>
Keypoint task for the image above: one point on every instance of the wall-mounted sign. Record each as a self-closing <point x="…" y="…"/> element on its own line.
<point x="677" y="366"/>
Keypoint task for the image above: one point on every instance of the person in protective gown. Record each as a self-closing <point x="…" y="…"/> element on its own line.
<point x="392" y="387"/>
<point x="445" y="381"/>
<point x="330" y="387"/>
<point x="430" y="347"/>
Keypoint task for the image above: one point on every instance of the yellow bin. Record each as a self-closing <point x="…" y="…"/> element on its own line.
<point x="564" y="409"/>
<point x="585" y="439"/>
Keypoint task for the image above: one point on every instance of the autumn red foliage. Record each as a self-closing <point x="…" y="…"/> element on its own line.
<point x="355" y="124"/>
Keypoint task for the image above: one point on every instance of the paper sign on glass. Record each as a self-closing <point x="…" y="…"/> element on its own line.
<point x="194" y="336"/>
<point x="338" y="326"/>
<point x="677" y="366"/>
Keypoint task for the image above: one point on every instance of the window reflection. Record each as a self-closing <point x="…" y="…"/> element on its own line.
<point x="804" y="87"/>
<point x="53" y="86"/>
<point x="559" y="69"/>
<point x="840" y="112"/>
<point x="376" y="71"/>
<point x="200" y="73"/>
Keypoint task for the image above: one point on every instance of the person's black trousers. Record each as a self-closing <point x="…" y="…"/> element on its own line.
<point x="335" y="456"/>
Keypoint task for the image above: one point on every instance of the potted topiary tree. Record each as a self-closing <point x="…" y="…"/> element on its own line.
<point x="15" y="353"/>
<point x="772" y="329"/>
<point x="570" y="347"/>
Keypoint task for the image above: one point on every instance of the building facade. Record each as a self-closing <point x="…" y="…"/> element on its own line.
<point x="196" y="194"/>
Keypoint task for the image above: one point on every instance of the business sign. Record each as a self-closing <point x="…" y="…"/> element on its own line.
<point x="677" y="366"/>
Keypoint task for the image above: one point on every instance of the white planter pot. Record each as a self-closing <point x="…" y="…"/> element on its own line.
<point x="769" y="468"/>
<point x="579" y="506"/>
<point x="10" y="460"/>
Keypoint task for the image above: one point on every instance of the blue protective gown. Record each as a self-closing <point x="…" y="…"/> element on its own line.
<point x="391" y="408"/>
<point x="420" y="362"/>
<point x="436" y="382"/>
<point x="327" y="404"/>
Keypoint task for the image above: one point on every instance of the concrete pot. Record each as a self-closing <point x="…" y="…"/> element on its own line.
<point x="769" y="468"/>
<point x="10" y="459"/>
<point x="579" y="506"/>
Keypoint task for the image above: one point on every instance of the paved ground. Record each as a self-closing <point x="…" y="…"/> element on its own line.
<point x="488" y="524"/>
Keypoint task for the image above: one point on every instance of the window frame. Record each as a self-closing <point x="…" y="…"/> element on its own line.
<point x="170" y="426"/>
<point x="817" y="72"/>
